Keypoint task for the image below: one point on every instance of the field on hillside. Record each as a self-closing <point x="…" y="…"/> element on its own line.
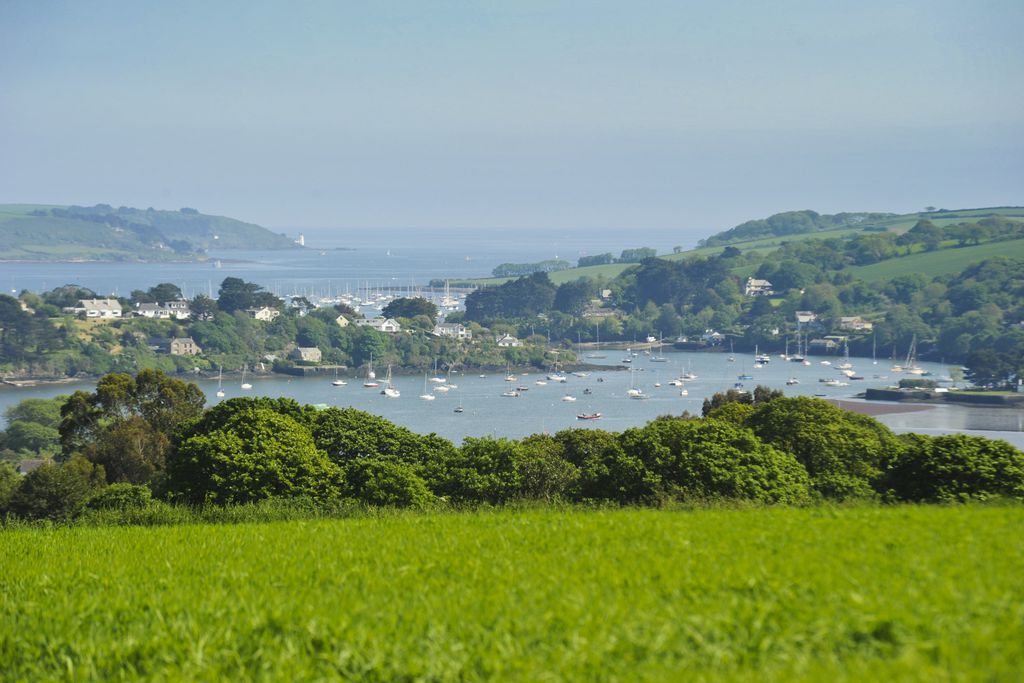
<point x="942" y="262"/>
<point x="899" y="223"/>
<point x="913" y="593"/>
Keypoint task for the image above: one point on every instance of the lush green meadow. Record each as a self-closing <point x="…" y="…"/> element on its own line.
<point x="934" y="263"/>
<point x="911" y="593"/>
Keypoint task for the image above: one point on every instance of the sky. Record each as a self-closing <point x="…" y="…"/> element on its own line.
<point x="518" y="114"/>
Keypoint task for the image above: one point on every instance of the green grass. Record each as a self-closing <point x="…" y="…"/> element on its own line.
<point x="940" y="262"/>
<point x="907" y="593"/>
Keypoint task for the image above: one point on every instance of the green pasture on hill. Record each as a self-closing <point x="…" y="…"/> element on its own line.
<point x="906" y="593"/>
<point x="950" y="263"/>
<point x="933" y="263"/>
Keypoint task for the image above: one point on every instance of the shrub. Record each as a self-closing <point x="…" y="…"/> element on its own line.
<point x="954" y="468"/>
<point x="715" y="459"/>
<point x="120" y="496"/>
<point x="256" y="454"/>
<point x="385" y="481"/>
<point x="843" y="452"/>
<point x="57" y="492"/>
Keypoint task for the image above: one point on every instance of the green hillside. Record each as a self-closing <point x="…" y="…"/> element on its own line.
<point x="37" y="232"/>
<point x="934" y="263"/>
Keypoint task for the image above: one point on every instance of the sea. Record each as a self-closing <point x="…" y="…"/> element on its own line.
<point x="336" y="261"/>
<point x="339" y="260"/>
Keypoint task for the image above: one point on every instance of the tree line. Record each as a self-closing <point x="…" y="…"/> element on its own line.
<point x="147" y="440"/>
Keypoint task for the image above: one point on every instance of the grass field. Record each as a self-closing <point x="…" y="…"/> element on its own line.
<point x="940" y="262"/>
<point x="908" y="593"/>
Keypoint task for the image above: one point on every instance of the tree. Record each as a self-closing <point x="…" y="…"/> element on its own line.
<point x="483" y="470"/>
<point x="607" y="472"/>
<point x="385" y="482"/>
<point x="256" y="454"/>
<point x="544" y="474"/>
<point x="410" y="307"/>
<point x="9" y="481"/>
<point x="701" y="459"/>
<point x="56" y="492"/>
<point x="161" y="293"/>
<point x="843" y="452"/>
<point x="130" y="451"/>
<point x="128" y="421"/>
<point x="955" y="468"/>
<point x="573" y="297"/>
<point x="236" y="294"/>
<point x="203" y="307"/>
<point x="347" y="434"/>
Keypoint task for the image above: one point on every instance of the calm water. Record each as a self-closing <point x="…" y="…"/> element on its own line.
<point x="541" y="408"/>
<point x="377" y="258"/>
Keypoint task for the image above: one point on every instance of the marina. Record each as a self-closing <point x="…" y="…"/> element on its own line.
<point x="624" y="395"/>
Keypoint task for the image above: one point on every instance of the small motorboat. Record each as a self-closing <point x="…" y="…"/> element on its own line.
<point x="589" y="416"/>
<point x="569" y="398"/>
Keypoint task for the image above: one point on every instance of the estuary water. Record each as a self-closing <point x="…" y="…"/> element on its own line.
<point x="349" y="259"/>
<point x="540" y="407"/>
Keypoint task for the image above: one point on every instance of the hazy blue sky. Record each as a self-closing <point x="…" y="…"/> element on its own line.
<point x="563" y="114"/>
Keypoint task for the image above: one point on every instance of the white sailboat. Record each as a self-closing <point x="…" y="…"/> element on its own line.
<point x="371" y="376"/>
<point x="426" y="395"/>
<point x="220" y="381"/>
<point x="338" y="382"/>
<point x="911" y="367"/>
<point x="435" y="379"/>
<point x="389" y="390"/>
<point x="597" y="342"/>
<point x="245" y="385"/>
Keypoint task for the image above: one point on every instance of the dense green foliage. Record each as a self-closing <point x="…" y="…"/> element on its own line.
<point x="791" y="223"/>
<point x="151" y="431"/>
<point x="905" y="593"/>
<point x="518" y="269"/>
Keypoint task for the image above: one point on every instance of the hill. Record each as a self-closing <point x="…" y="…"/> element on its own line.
<point x="34" y="232"/>
<point x="846" y="226"/>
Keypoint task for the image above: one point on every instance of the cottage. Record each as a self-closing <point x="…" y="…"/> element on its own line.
<point x="389" y="325"/>
<point x="822" y="346"/>
<point x="507" y="340"/>
<point x="755" y="287"/>
<point x="307" y="354"/>
<point x="855" y="323"/>
<point x="342" y="321"/>
<point x="452" y="330"/>
<point x="183" y="346"/>
<point x="264" y="313"/>
<point x="806" y="317"/>
<point x="104" y="309"/>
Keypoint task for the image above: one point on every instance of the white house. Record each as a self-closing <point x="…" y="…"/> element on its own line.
<point x="179" y="309"/>
<point x="507" y="340"/>
<point x="757" y="287"/>
<point x="265" y="313"/>
<point x="453" y="330"/>
<point x="389" y="325"/>
<point x="98" y="308"/>
<point x="152" y="311"/>
<point x="342" y="321"/>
